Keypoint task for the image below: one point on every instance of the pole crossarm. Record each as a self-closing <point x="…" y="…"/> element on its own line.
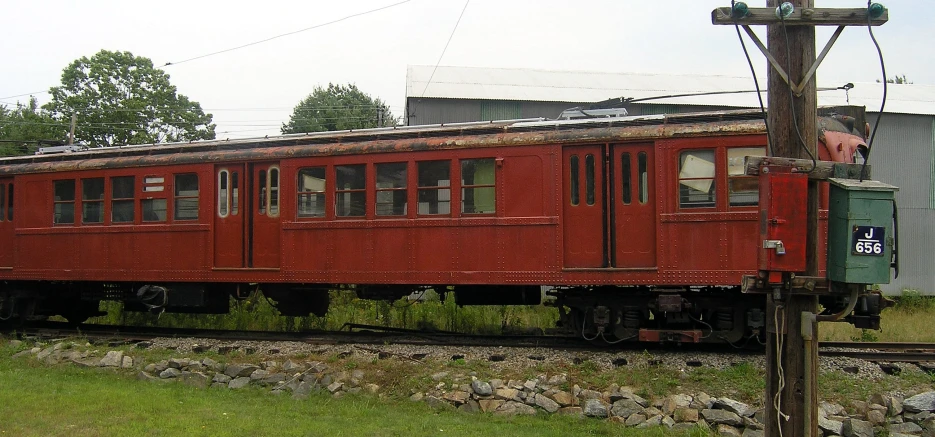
<point x="797" y="88"/>
<point x="800" y="17"/>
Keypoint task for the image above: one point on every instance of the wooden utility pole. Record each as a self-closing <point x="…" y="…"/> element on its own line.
<point x="791" y="398"/>
<point x="792" y="330"/>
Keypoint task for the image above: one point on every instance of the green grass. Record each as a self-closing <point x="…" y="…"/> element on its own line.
<point x="257" y="313"/>
<point x="70" y="401"/>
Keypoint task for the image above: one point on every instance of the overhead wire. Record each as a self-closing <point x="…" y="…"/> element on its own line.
<point x="287" y="34"/>
<point x="431" y="76"/>
<point x="756" y="82"/>
<point x="876" y="124"/>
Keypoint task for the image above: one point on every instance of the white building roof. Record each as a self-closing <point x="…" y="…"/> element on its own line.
<point x="587" y="86"/>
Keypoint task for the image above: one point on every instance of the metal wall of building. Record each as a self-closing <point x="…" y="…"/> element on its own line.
<point x="902" y="155"/>
<point x="423" y="111"/>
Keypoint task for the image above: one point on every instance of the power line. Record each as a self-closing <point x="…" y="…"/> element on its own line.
<point x="446" y="47"/>
<point x="287" y="34"/>
<point x="23" y="95"/>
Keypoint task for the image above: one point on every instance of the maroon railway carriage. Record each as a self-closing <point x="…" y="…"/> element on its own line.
<point x="643" y="226"/>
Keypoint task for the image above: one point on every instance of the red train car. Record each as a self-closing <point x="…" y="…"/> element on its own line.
<point x="643" y="226"/>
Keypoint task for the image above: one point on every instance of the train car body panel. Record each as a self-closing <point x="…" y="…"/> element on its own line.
<point x="624" y="216"/>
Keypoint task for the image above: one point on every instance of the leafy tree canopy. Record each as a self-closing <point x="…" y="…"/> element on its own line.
<point x="338" y="107"/>
<point x="122" y="99"/>
<point x="23" y="127"/>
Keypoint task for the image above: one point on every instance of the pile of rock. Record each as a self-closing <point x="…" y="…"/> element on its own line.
<point x="897" y="416"/>
<point x="298" y="378"/>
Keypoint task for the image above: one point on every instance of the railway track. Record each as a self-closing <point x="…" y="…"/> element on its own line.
<point x="881" y="352"/>
<point x="374" y="335"/>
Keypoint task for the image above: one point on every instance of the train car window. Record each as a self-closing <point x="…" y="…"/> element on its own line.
<point x="573" y="186"/>
<point x="273" y="183"/>
<point x="434" y="187"/>
<point x="122" y="204"/>
<point x="2" y="202"/>
<point x="644" y="177"/>
<point x="696" y="179"/>
<point x="154" y="210"/>
<point x="235" y="193"/>
<point x="589" y="178"/>
<point x="224" y="199"/>
<point x="311" y="192"/>
<point x="63" y="202"/>
<point x="186" y="197"/>
<point x="478" y="186"/>
<point x="350" y="190"/>
<point x="261" y="204"/>
<point x="743" y="190"/>
<point x="625" y="175"/>
<point x="92" y="200"/>
<point x="9" y="204"/>
<point x="391" y="189"/>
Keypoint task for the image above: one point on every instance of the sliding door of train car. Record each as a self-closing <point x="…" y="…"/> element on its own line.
<point x="6" y="223"/>
<point x="229" y="230"/>
<point x="264" y="222"/>
<point x="632" y="206"/>
<point x="584" y="209"/>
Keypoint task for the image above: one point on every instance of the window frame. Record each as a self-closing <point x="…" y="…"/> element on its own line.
<point x="224" y="193"/>
<point x="731" y="203"/>
<point x="438" y="188"/>
<point x="475" y="186"/>
<point x="323" y="193"/>
<point x="99" y="202"/>
<point x="152" y="190"/>
<point x="683" y="205"/>
<point x="391" y="191"/>
<point x="176" y="197"/>
<point x="112" y="199"/>
<point x="3" y="202"/>
<point x="361" y="190"/>
<point x="71" y="202"/>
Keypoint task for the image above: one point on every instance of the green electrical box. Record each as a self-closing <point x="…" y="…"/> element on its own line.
<point x="860" y="231"/>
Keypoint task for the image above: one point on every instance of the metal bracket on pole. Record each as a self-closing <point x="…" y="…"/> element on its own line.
<point x="799" y="87"/>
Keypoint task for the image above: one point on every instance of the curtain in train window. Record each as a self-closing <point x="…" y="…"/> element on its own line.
<point x="478" y="186"/>
<point x="696" y="179"/>
<point x="743" y="190"/>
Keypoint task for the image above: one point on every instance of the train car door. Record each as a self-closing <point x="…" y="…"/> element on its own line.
<point x="633" y="211"/>
<point x="264" y="227"/>
<point x="229" y="214"/>
<point x="583" y="213"/>
<point x="6" y="223"/>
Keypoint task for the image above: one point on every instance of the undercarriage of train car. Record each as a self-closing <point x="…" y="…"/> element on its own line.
<point x="603" y="315"/>
<point x="610" y="315"/>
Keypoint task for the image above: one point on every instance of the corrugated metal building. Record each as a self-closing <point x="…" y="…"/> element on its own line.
<point x="904" y="147"/>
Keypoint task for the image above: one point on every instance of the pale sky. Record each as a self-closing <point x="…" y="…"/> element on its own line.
<point x="251" y="91"/>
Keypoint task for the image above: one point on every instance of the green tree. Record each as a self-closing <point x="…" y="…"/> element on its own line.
<point x="122" y="99"/>
<point x="338" y="107"/>
<point x="899" y="80"/>
<point x="23" y="127"/>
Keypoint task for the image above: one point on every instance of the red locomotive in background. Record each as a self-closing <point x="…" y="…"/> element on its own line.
<point x="642" y="226"/>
